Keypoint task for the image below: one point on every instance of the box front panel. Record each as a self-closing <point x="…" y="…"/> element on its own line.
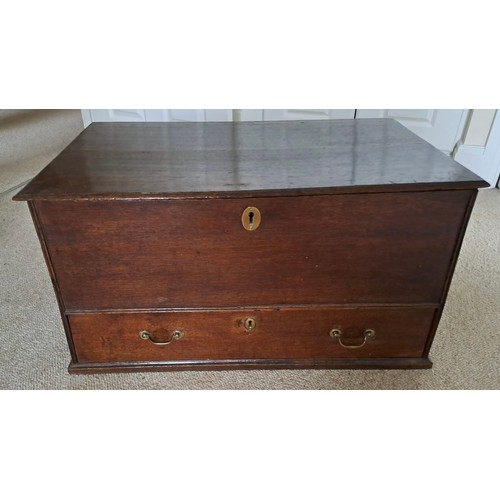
<point x="339" y="249"/>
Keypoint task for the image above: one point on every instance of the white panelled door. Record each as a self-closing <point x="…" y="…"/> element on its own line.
<point x="294" y="114"/>
<point x="441" y="127"/>
<point x="156" y="115"/>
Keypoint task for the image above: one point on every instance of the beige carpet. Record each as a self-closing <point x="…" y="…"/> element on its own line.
<point x="33" y="352"/>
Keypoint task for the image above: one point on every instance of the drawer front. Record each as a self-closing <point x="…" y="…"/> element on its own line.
<point x="270" y="334"/>
<point x="343" y="249"/>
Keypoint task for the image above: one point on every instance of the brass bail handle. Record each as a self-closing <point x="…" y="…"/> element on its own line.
<point x="176" y="335"/>
<point x="335" y="333"/>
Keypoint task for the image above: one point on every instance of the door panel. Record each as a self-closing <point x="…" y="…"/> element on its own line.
<point x="307" y="114"/>
<point x="159" y="115"/>
<point x="189" y="115"/>
<point x="294" y="114"/>
<point x="424" y="115"/>
<point x="440" y="127"/>
<point x="118" y="115"/>
<point x="175" y="115"/>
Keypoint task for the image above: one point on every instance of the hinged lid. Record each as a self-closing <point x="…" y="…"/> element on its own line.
<point x="244" y="159"/>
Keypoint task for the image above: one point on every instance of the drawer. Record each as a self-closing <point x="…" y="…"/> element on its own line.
<point x="342" y="249"/>
<point x="292" y="333"/>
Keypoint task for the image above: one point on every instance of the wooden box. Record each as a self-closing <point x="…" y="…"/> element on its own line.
<point x="250" y="245"/>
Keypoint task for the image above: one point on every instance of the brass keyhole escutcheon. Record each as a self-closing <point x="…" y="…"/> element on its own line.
<point x="249" y="324"/>
<point x="251" y="218"/>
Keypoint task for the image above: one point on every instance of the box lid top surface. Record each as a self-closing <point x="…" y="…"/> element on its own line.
<point x="231" y="159"/>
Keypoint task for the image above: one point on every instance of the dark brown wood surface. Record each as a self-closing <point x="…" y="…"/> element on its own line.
<point x="253" y="364"/>
<point x="451" y="269"/>
<point x="55" y="284"/>
<point x="343" y="249"/>
<point x="220" y="335"/>
<point x="246" y="159"/>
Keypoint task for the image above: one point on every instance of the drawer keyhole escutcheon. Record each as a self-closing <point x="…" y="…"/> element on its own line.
<point x="250" y="324"/>
<point x="335" y="333"/>
<point x="176" y="335"/>
<point x="251" y="218"/>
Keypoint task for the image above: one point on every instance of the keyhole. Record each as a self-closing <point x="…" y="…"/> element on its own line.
<point x="250" y="218"/>
<point x="249" y="324"/>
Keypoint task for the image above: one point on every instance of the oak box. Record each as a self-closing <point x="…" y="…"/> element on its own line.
<point x="250" y="245"/>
